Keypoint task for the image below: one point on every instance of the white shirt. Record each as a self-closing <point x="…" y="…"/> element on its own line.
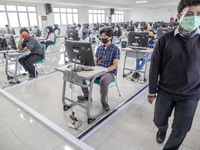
<point x="80" y="34"/>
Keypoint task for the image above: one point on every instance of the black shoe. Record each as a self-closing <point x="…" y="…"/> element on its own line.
<point x="134" y="75"/>
<point x="106" y="107"/>
<point x="137" y="75"/>
<point x="160" y="137"/>
<point x="82" y="98"/>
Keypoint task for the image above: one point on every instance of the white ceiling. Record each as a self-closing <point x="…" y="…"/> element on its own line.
<point x="120" y="4"/>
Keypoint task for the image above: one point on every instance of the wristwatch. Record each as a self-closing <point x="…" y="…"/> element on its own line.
<point x="152" y="96"/>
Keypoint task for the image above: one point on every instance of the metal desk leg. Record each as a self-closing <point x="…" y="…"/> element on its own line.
<point x="145" y="79"/>
<point x="16" y="68"/>
<point x="124" y="75"/>
<point x="65" y="106"/>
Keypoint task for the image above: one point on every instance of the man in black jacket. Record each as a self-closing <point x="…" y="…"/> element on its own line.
<point x="175" y="62"/>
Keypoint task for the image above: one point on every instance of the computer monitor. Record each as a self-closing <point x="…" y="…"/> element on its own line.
<point x="72" y="34"/>
<point x="10" y="42"/>
<point x="80" y="53"/>
<point x="162" y="31"/>
<point x="138" y="39"/>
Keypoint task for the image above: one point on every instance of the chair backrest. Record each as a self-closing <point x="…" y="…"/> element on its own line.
<point x="54" y="40"/>
<point x="43" y="48"/>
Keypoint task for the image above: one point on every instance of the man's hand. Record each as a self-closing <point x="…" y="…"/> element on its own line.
<point x="151" y="97"/>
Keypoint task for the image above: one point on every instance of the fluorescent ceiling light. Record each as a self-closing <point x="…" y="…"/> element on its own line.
<point x="141" y="2"/>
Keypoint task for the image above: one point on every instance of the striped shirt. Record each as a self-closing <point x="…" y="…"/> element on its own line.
<point x="107" y="55"/>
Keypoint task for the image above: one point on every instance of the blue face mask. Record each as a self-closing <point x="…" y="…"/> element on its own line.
<point x="191" y="23"/>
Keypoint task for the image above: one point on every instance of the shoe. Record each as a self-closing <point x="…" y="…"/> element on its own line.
<point x="82" y="98"/>
<point x="160" y="137"/>
<point x="134" y="74"/>
<point x="137" y="76"/>
<point x="106" y="107"/>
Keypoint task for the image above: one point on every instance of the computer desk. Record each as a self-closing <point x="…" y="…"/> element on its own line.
<point x="68" y="76"/>
<point x="13" y="56"/>
<point x="135" y="53"/>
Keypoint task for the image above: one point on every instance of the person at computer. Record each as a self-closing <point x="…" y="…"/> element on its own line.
<point x="50" y="37"/>
<point x="117" y="35"/>
<point x="141" y="62"/>
<point x="107" y="55"/>
<point x="85" y="36"/>
<point x="10" y="30"/>
<point x="3" y="44"/>
<point x="56" y="30"/>
<point x="80" y="32"/>
<point x="36" y="31"/>
<point x="29" y="43"/>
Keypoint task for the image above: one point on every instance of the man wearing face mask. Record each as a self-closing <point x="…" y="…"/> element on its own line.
<point x="107" y="56"/>
<point x="175" y="62"/>
<point x="28" y="43"/>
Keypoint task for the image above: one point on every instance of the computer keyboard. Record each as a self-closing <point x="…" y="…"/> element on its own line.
<point x="87" y="68"/>
<point x="139" y="48"/>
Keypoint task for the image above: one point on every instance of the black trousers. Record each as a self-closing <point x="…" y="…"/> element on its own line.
<point x="47" y="43"/>
<point x="184" y="110"/>
<point x="28" y="61"/>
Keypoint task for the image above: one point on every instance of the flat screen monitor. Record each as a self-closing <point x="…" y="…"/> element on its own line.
<point x="10" y="41"/>
<point x="72" y="34"/>
<point x="162" y="31"/>
<point x="80" y="53"/>
<point x="138" y="39"/>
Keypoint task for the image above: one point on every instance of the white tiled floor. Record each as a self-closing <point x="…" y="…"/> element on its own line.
<point x="131" y="129"/>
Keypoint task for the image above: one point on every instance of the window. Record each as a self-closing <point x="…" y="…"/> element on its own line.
<point x="96" y="16"/>
<point x="18" y="16"/>
<point x="118" y="17"/>
<point x="64" y="16"/>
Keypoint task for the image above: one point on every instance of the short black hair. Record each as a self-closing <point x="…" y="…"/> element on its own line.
<point x="185" y="3"/>
<point x="6" y="25"/>
<point x="22" y="30"/>
<point x="79" y="25"/>
<point x="152" y="31"/>
<point x="108" y="31"/>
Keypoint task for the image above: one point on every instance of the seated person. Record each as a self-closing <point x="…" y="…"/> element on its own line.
<point x="3" y="44"/>
<point x="107" y="56"/>
<point x="85" y="36"/>
<point x="139" y="66"/>
<point x="28" y="43"/>
<point x="10" y="30"/>
<point x="56" y="30"/>
<point x="80" y="32"/>
<point x="36" y="31"/>
<point x="50" y="37"/>
<point x="117" y="35"/>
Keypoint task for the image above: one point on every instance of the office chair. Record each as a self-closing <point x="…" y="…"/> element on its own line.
<point x="41" y="63"/>
<point x="111" y="84"/>
<point x="53" y="44"/>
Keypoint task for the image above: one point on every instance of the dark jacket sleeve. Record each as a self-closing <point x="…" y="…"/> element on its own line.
<point x="155" y="67"/>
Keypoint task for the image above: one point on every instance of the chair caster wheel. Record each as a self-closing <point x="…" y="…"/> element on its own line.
<point x="90" y="120"/>
<point x="145" y="80"/>
<point x="65" y="107"/>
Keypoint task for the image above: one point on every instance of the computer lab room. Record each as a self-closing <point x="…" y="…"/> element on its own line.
<point x="99" y="75"/>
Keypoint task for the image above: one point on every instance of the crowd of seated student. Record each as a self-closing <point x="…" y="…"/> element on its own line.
<point x="36" y="31"/>
<point x="10" y="30"/>
<point x="50" y="37"/>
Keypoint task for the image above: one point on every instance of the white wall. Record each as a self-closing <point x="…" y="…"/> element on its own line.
<point x="152" y="15"/>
